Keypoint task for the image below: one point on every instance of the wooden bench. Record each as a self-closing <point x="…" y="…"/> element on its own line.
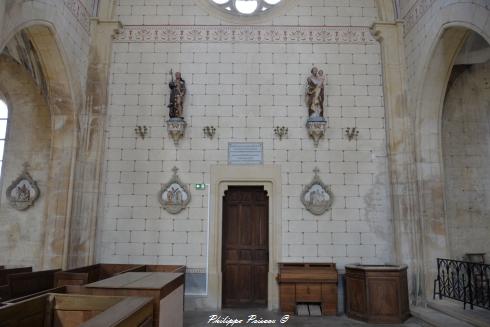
<point x="94" y="273"/>
<point x="67" y="310"/>
<point x="4" y="273"/>
<point x="26" y="283"/>
<point x="165" y="268"/>
<point x="166" y="289"/>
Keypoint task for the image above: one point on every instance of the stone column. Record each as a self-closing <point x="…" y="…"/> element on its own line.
<point x="401" y="154"/>
<point x="90" y="149"/>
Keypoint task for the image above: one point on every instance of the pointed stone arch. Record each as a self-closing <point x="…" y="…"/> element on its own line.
<point x="63" y="99"/>
<point x="446" y="43"/>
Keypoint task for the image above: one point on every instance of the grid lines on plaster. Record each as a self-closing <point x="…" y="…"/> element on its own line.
<point x="241" y="90"/>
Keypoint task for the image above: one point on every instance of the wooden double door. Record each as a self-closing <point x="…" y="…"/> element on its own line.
<point x="245" y="247"/>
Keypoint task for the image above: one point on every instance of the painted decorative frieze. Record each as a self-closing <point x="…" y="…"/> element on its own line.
<point x="316" y="196"/>
<point x="174" y="196"/>
<point x="245" y="34"/>
<point x="23" y="191"/>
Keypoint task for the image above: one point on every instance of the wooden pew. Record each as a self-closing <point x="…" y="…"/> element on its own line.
<point x="90" y="274"/>
<point x="57" y="290"/>
<point x="26" y="283"/>
<point x="165" y="268"/>
<point x="66" y="310"/>
<point x="4" y="273"/>
<point x="166" y="289"/>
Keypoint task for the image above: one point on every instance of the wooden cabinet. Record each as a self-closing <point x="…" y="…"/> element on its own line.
<point x="377" y="294"/>
<point x="308" y="283"/>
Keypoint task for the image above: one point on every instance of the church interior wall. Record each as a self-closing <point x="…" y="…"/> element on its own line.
<point x="465" y="146"/>
<point x="245" y="89"/>
<point x="245" y="77"/>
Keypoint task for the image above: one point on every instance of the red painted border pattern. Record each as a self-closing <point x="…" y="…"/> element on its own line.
<point x="244" y="34"/>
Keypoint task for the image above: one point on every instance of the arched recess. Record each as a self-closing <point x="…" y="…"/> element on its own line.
<point x="465" y="148"/>
<point x="62" y="109"/>
<point x="428" y="130"/>
<point x="28" y="140"/>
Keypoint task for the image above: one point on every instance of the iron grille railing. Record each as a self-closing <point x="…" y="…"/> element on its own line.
<point x="464" y="281"/>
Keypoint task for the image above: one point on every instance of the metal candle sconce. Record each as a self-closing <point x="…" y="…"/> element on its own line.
<point x="209" y="131"/>
<point x="141" y="131"/>
<point x="281" y="131"/>
<point x="351" y="133"/>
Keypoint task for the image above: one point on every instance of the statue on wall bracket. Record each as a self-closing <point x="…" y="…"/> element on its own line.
<point x="174" y="196"/>
<point x="176" y="124"/>
<point x="23" y="191"/>
<point x="315" y="98"/>
<point x="316" y="196"/>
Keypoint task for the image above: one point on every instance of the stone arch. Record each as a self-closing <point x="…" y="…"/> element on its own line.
<point x="28" y="140"/>
<point x="446" y="41"/>
<point x="60" y="98"/>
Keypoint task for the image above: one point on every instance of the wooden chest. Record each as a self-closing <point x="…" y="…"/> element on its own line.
<point x="308" y="283"/>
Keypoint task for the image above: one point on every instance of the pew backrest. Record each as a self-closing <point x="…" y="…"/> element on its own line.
<point x="31" y="282"/>
<point x="4" y="273"/>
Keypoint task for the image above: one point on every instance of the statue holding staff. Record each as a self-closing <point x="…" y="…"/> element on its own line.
<point x="177" y="94"/>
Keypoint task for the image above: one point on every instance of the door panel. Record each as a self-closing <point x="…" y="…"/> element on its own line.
<point x="245" y="252"/>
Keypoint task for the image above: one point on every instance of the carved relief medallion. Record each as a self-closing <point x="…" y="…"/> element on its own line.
<point x="316" y="196"/>
<point x="23" y="191"/>
<point x="174" y="196"/>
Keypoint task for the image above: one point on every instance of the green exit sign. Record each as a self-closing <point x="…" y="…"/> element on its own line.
<point x="200" y="186"/>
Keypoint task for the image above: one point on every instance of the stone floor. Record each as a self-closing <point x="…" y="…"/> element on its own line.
<point x="226" y="317"/>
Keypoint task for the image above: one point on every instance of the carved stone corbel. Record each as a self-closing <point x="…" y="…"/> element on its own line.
<point x="176" y="128"/>
<point x="316" y="129"/>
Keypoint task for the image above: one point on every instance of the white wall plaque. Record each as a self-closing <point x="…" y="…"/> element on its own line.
<point x="174" y="196"/>
<point x="245" y="153"/>
<point x="23" y="191"/>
